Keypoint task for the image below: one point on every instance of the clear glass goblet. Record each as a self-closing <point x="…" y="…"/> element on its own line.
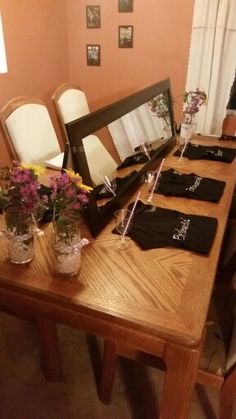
<point x="110" y="184"/>
<point x="152" y="182"/>
<point x="37" y="216"/>
<point x="123" y="224"/>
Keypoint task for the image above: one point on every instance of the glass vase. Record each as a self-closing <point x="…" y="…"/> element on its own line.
<point x="19" y="235"/>
<point x="167" y="132"/>
<point x="67" y="248"/>
<point x="186" y="132"/>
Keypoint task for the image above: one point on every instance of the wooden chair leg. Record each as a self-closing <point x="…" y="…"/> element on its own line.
<point x="108" y="371"/>
<point x="51" y="359"/>
<point x="227" y="396"/>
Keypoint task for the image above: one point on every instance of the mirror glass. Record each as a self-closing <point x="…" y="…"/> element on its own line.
<point x="141" y="127"/>
<point x="147" y="124"/>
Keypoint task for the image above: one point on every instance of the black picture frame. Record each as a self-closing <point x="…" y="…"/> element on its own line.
<point x="93" y="17"/>
<point x="125" y="36"/>
<point x="125" y="6"/>
<point x="93" y="53"/>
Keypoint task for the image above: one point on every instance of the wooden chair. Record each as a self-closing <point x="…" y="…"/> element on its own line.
<point x="229" y="126"/>
<point x="29" y="132"/>
<point x="217" y="368"/>
<point x="30" y="137"/>
<point x="70" y="104"/>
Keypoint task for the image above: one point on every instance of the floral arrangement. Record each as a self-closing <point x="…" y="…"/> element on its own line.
<point x="22" y="194"/>
<point x="159" y="106"/>
<point x="19" y="192"/>
<point x="193" y="100"/>
<point x="68" y="196"/>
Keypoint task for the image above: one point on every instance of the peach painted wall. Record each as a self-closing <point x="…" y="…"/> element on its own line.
<point x="46" y="45"/>
<point x="162" y="31"/>
<point x="37" y="51"/>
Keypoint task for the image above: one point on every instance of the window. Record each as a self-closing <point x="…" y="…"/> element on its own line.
<point x="212" y="59"/>
<point x="3" y="61"/>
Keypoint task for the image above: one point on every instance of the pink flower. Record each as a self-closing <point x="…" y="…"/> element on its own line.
<point x="69" y="195"/>
<point x="193" y="100"/>
<point x="22" y="188"/>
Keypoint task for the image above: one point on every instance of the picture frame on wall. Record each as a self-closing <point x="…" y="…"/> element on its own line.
<point x="125" y="36"/>
<point x="93" y="55"/>
<point x="93" y="17"/>
<point x="125" y="6"/>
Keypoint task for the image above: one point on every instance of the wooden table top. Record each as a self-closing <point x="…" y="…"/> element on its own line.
<point x="163" y="293"/>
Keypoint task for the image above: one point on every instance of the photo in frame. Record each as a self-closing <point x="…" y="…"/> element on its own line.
<point x="93" y="54"/>
<point x="125" y="6"/>
<point x="125" y="36"/>
<point x="93" y="17"/>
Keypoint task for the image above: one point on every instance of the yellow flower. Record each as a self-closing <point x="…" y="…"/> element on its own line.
<point x="38" y="170"/>
<point x="85" y="187"/>
<point x="78" y="178"/>
<point x="72" y="174"/>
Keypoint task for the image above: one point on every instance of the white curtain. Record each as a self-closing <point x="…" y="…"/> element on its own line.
<point x="135" y="128"/>
<point x="212" y="60"/>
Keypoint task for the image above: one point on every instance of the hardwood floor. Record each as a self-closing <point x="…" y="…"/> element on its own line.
<point x="25" y="394"/>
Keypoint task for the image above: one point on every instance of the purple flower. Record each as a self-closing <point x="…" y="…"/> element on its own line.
<point x="193" y="100"/>
<point x="68" y="194"/>
<point x="21" y="188"/>
<point x="160" y="107"/>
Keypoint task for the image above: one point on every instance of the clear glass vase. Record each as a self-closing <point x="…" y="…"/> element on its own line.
<point x="167" y="131"/>
<point x="186" y="132"/>
<point x="19" y="235"/>
<point x="67" y="248"/>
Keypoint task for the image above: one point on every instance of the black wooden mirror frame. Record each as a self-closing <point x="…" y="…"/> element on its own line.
<point x="97" y="216"/>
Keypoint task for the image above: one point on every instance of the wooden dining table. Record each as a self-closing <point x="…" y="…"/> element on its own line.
<point x="155" y="301"/>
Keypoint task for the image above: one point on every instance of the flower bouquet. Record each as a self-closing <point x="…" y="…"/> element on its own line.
<point x="160" y="107"/>
<point x="69" y="196"/>
<point x="193" y="100"/>
<point x="19" y="201"/>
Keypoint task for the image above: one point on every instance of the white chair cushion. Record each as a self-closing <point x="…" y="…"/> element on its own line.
<point x="99" y="160"/>
<point x="32" y="133"/>
<point x="73" y="104"/>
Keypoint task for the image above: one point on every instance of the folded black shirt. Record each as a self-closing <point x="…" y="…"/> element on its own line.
<point x="196" y="151"/>
<point x="154" y="227"/>
<point x="138" y="158"/>
<point x="102" y="191"/>
<point x="191" y="186"/>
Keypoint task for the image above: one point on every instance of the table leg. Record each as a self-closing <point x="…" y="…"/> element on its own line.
<point x="227" y="396"/>
<point x="108" y="371"/>
<point x="180" y="379"/>
<point x="51" y="359"/>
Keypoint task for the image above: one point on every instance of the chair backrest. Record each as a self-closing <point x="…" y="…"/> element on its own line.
<point x="229" y="126"/>
<point x="29" y="132"/>
<point x="99" y="160"/>
<point x="71" y="103"/>
<point x="228" y="275"/>
<point x="229" y="280"/>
